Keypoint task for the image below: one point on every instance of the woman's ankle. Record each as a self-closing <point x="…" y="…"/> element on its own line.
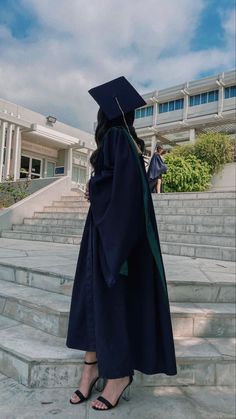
<point x="90" y="357"/>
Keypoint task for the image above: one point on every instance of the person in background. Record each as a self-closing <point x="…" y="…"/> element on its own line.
<point x="155" y="171"/>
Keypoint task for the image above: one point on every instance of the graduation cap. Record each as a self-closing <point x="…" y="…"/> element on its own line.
<point x="116" y="97"/>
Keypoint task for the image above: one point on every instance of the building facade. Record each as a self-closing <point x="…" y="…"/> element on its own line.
<point x="177" y="114"/>
<point x="35" y="146"/>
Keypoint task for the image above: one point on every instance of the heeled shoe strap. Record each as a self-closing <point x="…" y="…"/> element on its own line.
<point x="80" y="395"/>
<point x="105" y="401"/>
<point x="90" y="363"/>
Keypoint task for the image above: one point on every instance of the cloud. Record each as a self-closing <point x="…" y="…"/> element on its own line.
<point x="72" y="46"/>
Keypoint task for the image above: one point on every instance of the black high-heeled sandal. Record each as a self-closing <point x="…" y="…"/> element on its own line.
<point x="125" y="395"/>
<point x="97" y="382"/>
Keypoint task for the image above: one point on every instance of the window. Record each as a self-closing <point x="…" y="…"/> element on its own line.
<point x="144" y="112"/>
<point x="149" y="110"/>
<point x="179" y="104"/>
<point x="197" y="100"/>
<point x="30" y="167"/>
<point x="171" y="106"/>
<point x="138" y="113"/>
<point x="213" y="96"/>
<point x="230" y="92"/>
<point x="202" y="98"/>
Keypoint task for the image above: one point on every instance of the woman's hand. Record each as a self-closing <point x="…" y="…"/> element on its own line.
<point x="86" y="193"/>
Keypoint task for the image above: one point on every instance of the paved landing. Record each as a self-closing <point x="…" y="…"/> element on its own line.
<point x="61" y="259"/>
<point x="19" y="402"/>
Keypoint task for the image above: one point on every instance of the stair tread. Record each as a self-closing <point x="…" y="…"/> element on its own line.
<point x="59" y="303"/>
<point x="35" y="297"/>
<point x="34" y="345"/>
<point x="40" y="233"/>
<point x="197" y="245"/>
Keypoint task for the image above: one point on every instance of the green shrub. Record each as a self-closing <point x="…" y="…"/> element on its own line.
<point x="12" y="192"/>
<point x="183" y="151"/>
<point x="185" y="174"/>
<point x="214" y="148"/>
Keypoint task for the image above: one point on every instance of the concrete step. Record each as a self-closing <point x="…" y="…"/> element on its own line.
<point x="198" y="238"/>
<point x="44" y="237"/>
<point x="224" y="229"/>
<point x="195" y="203"/>
<point x="181" y="249"/>
<point x="194" y="195"/>
<point x="70" y="209"/>
<point x="36" y="359"/>
<point x="60" y="215"/>
<point x="73" y="198"/>
<point x="40" y="309"/>
<point x="201" y="251"/>
<point x="76" y="204"/>
<point x="77" y="223"/>
<point x="187" y="286"/>
<point x="172" y="210"/>
<point x="197" y="219"/>
<point x="198" y="229"/>
<point x="48" y="229"/>
<point x="49" y="312"/>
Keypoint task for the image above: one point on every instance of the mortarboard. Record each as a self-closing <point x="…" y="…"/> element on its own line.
<point x="114" y="93"/>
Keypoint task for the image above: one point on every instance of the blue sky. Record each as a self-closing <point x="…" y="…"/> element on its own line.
<point x="53" y="51"/>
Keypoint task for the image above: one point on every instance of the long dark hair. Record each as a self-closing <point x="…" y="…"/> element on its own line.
<point x="104" y="124"/>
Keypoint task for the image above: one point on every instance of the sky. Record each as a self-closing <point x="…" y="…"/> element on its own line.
<point x="53" y="51"/>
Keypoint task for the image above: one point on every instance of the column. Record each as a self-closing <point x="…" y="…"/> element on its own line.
<point x="154" y="140"/>
<point x="45" y="170"/>
<point x="186" y="105"/>
<point x="88" y="167"/>
<point x="192" y="135"/>
<point x="221" y="100"/>
<point x="68" y="161"/>
<point x="8" y="151"/>
<point x="15" y="155"/>
<point x="2" y="145"/>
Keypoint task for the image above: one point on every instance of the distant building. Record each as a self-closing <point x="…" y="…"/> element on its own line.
<point x="177" y="114"/>
<point x="35" y="146"/>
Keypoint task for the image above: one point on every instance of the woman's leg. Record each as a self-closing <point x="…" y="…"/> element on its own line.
<point x="159" y="186"/>
<point x="89" y="373"/>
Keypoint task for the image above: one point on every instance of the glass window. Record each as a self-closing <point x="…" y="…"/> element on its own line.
<point x="24" y="167"/>
<point x="172" y="105"/>
<point x="149" y="110"/>
<point x="203" y="98"/>
<point x="143" y="112"/>
<point x="50" y="169"/>
<point x="160" y="107"/>
<point x="191" y="101"/>
<point x="137" y="113"/>
<point x="211" y="96"/>
<point x="227" y="93"/>
<point x="179" y="103"/>
<point x="196" y="100"/>
<point x="230" y="92"/>
<point x="165" y="107"/>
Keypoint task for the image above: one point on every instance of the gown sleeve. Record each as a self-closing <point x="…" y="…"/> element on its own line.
<point x="117" y="204"/>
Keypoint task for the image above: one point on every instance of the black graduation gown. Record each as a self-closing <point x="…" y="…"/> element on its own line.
<point x="119" y="305"/>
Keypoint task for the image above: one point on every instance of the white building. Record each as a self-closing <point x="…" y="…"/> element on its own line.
<point x="35" y="146"/>
<point x="176" y="114"/>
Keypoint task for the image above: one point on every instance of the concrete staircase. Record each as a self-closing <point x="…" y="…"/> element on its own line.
<point x="34" y="309"/>
<point x="190" y="224"/>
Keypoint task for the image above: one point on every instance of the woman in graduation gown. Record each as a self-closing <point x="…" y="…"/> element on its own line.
<point x="119" y="309"/>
